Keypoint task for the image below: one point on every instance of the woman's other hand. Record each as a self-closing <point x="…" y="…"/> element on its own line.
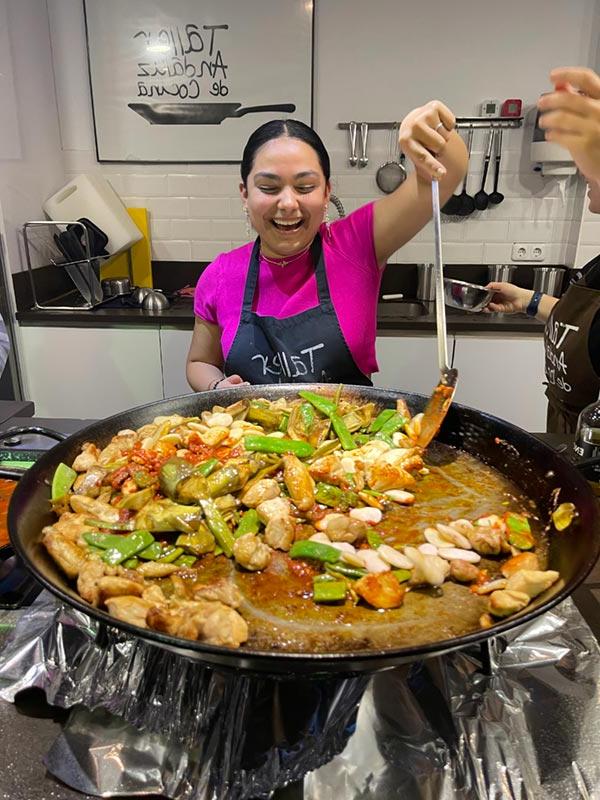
<point x="508" y="298"/>
<point x="231" y="380"/>
<point x="423" y="136"/>
<point x="571" y="116"/>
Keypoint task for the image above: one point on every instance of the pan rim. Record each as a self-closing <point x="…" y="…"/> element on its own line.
<point x="275" y="662"/>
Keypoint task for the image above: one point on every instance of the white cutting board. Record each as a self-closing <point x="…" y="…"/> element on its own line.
<point x="91" y="196"/>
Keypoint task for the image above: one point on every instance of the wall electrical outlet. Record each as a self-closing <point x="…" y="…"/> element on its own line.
<point x="526" y="251"/>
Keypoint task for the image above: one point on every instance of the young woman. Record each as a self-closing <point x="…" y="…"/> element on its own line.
<point x="299" y="304"/>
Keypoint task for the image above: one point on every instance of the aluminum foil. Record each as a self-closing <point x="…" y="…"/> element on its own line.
<point x="155" y="722"/>
<point x="519" y="719"/>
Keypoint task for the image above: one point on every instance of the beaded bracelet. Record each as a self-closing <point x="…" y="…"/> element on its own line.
<point x="214" y="384"/>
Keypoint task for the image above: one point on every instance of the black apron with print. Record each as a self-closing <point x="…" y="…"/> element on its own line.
<point x="571" y="381"/>
<point x="306" y="348"/>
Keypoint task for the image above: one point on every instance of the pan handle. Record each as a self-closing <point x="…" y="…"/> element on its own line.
<point x="39" y="430"/>
<point x="588" y="462"/>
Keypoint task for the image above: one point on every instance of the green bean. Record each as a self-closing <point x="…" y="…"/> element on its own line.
<point x="265" y="417"/>
<point x="151" y="553"/>
<point x="322" y="404"/>
<point x="329" y="591"/>
<point x="342" y="432"/>
<point x="307" y="417"/>
<point x="206" y="467"/>
<point x="64" y="477"/>
<point x="380" y="419"/>
<point x="269" y="444"/>
<point x="317" y="550"/>
<point x="170" y="554"/>
<point x="197" y="543"/>
<point x="249" y="523"/>
<point x="218" y="527"/>
<point x="391" y="425"/>
<point x="131" y="563"/>
<point x="334" y="497"/>
<point x="402" y="574"/>
<point x="128" y="525"/>
<point x="347" y="571"/>
<point x="119" y="548"/>
<point x="374" y="539"/>
<point x="185" y="561"/>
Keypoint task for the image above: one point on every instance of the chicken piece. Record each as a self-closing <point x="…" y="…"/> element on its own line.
<point x="381" y="477"/>
<point x="72" y="526"/>
<point x="87" y="582"/>
<point x="87" y="459"/>
<point x="505" y="602"/>
<point x="223" y="590"/>
<point x="115" y="586"/>
<point x="154" y="569"/>
<point x="115" y="447"/>
<point x="277" y="508"/>
<point x="154" y="594"/>
<point x="342" y="528"/>
<point x="68" y="555"/>
<point x="486" y="540"/>
<point x="129" y="608"/>
<point x="403" y="409"/>
<point x="329" y="469"/>
<point x="463" y="571"/>
<point x="224" y="627"/>
<point x="90" y="482"/>
<point x="532" y="582"/>
<point x="91" y="507"/>
<point x="299" y="483"/>
<point x="428" y="569"/>
<point x="381" y="590"/>
<point x="265" y="489"/>
<point x="413" y="426"/>
<point x="174" y="619"/>
<point x="181" y="589"/>
<point x="280" y="532"/>
<point x="527" y="561"/>
<point x="251" y="553"/>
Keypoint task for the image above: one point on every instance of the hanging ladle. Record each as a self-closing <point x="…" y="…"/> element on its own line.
<point x="461" y="204"/>
<point x="481" y="199"/>
<point x="497" y="197"/>
<point x="439" y="402"/>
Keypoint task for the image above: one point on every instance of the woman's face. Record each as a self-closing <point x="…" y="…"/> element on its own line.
<point x="286" y="195"/>
<point x="593" y="195"/>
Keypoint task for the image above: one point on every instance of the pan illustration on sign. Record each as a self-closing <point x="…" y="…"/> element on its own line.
<point x="200" y="113"/>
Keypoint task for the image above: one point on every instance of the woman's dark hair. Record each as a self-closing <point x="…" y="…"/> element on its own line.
<point x="277" y="128"/>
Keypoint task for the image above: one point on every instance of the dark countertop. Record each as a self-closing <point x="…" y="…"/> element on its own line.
<point x="392" y="318"/>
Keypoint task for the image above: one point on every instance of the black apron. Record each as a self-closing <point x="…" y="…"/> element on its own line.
<point x="571" y="381"/>
<point x="305" y="348"/>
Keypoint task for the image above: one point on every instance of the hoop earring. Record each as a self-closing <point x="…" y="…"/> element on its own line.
<point x="248" y="226"/>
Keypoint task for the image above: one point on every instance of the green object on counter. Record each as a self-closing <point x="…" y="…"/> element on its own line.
<point x="119" y="548"/>
<point x="269" y="444"/>
<point x="21" y="465"/>
<point x="380" y="419"/>
<point x="63" y="479"/>
<point x="249" y="523"/>
<point x="329" y="591"/>
<point x="305" y="548"/>
<point x="218" y="527"/>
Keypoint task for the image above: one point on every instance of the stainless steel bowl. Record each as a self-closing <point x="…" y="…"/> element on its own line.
<point x="155" y="300"/>
<point x="139" y="293"/>
<point x="466" y="296"/>
<point x="115" y="287"/>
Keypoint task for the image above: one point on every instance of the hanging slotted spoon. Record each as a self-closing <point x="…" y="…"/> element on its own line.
<point x="439" y="402"/>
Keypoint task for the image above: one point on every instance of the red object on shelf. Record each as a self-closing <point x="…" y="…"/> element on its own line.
<point x="511" y="108"/>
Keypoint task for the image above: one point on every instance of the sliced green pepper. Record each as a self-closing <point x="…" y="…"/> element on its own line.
<point x="63" y="479"/>
<point x="126" y="525"/>
<point x="206" y="467"/>
<point x="218" y="527"/>
<point x="519" y="531"/>
<point x="265" y="417"/>
<point x="401" y="575"/>
<point x="197" y="543"/>
<point x="142" y="478"/>
<point x="249" y="523"/>
<point x="185" y="561"/>
<point x="136" y="500"/>
<point x="346" y="570"/>
<point x="374" y="539"/>
<point x="334" y="497"/>
<point x="329" y="591"/>
<point x="283" y="425"/>
<point x="269" y="444"/>
<point x="317" y="550"/>
<point x="380" y="419"/>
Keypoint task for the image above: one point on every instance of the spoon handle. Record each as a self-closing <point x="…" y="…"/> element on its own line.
<point x="438" y="273"/>
<point x="498" y="156"/>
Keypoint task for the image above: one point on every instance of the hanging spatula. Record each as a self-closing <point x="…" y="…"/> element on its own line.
<point x="442" y="395"/>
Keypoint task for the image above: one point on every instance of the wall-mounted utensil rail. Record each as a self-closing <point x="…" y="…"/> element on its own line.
<point x="461" y="122"/>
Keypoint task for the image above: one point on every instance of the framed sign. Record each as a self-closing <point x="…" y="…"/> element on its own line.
<point x="189" y="80"/>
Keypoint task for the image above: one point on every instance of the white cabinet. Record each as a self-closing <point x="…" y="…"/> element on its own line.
<point x="503" y="375"/>
<point x="408" y="363"/>
<point x="174" y="346"/>
<point x="89" y="372"/>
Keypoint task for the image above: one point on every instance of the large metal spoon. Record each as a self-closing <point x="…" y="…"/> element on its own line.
<point x="481" y="199"/>
<point x="497" y="197"/>
<point x="442" y="395"/>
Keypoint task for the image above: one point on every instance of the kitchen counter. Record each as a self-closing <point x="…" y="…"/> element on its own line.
<point x="391" y="319"/>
